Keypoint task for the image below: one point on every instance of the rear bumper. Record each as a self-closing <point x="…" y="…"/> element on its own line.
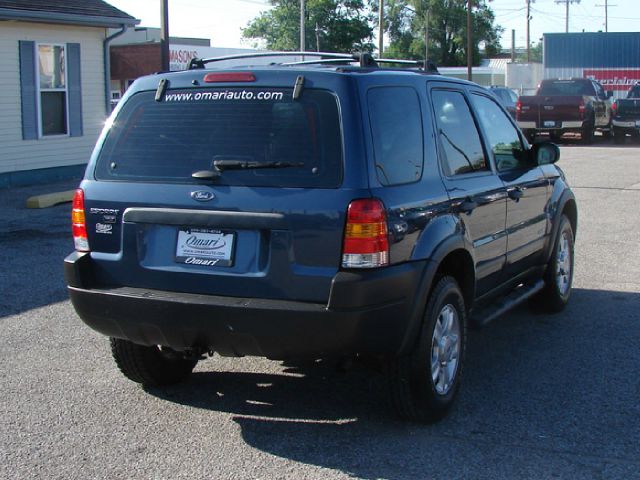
<point x="628" y="124"/>
<point x="564" y="126"/>
<point x="374" y="312"/>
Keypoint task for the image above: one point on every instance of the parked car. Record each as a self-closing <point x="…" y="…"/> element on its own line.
<point x="560" y="106"/>
<point x="507" y="97"/>
<point x="292" y="211"/>
<point x="626" y="116"/>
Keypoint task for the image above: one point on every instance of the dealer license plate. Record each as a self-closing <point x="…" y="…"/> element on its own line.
<point x="549" y="123"/>
<point x="203" y="246"/>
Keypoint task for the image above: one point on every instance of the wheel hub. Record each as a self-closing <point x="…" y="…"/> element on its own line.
<point x="563" y="264"/>
<point x="445" y="349"/>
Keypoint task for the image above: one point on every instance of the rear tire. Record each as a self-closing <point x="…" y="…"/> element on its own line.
<point x="619" y="136"/>
<point x="558" y="276"/>
<point x="587" y="133"/>
<point x="425" y="383"/>
<point x="150" y="366"/>
<point x="555" y="137"/>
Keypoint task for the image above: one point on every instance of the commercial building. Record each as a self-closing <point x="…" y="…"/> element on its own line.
<point x="613" y="59"/>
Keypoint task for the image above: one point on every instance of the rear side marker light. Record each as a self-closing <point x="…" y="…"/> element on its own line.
<point x="229" y="77"/>
<point x="366" y="241"/>
<point x="78" y="222"/>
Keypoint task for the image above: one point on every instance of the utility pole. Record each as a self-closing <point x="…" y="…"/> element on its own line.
<point x="317" y="37"/>
<point x="606" y="13"/>
<point x="426" y="37"/>
<point x="513" y="46"/>
<point x="469" y="41"/>
<point x="529" y="30"/>
<point x="302" y="33"/>
<point x="380" y="28"/>
<point x="567" y="2"/>
<point x="164" y="35"/>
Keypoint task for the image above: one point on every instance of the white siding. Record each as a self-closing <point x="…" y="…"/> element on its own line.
<point x="17" y="154"/>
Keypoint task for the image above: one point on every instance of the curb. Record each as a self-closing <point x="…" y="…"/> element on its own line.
<point x="50" y="199"/>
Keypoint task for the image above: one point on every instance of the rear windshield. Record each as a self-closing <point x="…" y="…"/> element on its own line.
<point x="185" y="132"/>
<point x="634" y="92"/>
<point x="567" y="88"/>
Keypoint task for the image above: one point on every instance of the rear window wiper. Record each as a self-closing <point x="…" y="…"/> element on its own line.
<point x="219" y="165"/>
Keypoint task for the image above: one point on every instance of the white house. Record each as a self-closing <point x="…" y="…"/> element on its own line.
<point x="54" y="74"/>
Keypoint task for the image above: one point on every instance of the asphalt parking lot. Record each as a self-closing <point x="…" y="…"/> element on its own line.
<point x="543" y="396"/>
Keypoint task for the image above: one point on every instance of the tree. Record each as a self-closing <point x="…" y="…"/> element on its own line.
<point x="447" y="30"/>
<point x="330" y="26"/>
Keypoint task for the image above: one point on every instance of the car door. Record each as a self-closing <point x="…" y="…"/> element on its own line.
<point x="476" y="193"/>
<point x="526" y="186"/>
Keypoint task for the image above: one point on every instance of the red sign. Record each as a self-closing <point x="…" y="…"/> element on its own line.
<point x="612" y="79"/>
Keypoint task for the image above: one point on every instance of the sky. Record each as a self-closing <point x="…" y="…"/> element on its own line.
<point x="222" y="20"/>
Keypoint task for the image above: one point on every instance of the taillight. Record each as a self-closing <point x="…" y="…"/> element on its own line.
<point x="366" y="243"/>
<point x="582" y="109"/>
<point x="518" y="107"/>
<point x="614" y="108"/>
<point x="78" y="222"/>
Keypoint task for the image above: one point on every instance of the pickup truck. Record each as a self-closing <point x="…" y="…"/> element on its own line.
<point x="626" y="116"/>
<point x="561" y="106"/>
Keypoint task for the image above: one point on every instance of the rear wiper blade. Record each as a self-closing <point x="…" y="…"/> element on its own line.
<point x="250" y="164"/>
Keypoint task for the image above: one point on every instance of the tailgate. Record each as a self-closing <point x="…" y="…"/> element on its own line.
<point x="554" y="110"/>
<point x="628" y="109"/>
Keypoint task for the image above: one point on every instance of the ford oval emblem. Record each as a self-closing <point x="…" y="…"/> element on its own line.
<point x="202" y="195"/>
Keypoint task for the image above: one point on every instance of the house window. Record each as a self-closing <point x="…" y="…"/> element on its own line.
<point x="52" y="85"/>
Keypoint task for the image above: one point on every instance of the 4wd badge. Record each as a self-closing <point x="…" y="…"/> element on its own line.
<point x="202" y="195"/>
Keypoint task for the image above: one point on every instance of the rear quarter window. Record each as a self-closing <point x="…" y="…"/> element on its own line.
<point x="396" y="129"/>
<point x="188" y="130"/>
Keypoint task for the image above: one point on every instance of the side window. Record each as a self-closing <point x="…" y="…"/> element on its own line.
<point x="503" y="137"/>
<point x="396" y="128"/>
<point x="461" y="147"/>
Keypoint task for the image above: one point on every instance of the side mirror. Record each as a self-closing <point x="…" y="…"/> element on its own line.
<point x="546" y="153"/>
<point x="609" y="94"/>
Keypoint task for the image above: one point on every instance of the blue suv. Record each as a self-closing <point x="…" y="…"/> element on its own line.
<point x="313" y="209"/>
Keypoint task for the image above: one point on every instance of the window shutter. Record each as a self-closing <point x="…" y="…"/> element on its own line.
<point x="28" y="90"/>
<point x="74" y="89"/>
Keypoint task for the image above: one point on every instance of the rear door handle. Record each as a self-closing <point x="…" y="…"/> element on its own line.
<point x="515" y="193"/>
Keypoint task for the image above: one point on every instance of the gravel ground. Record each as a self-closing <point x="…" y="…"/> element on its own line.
<point x="543" y="396"/>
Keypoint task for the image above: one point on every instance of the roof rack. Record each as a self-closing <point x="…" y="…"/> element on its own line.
<point x="364" y="59"/>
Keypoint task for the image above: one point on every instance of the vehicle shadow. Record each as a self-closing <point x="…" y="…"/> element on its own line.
<point x="538" y="389"/>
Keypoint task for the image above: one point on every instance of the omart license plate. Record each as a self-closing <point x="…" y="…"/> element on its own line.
<point x="203" y="246"/>
<point x="549" y="123"/>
